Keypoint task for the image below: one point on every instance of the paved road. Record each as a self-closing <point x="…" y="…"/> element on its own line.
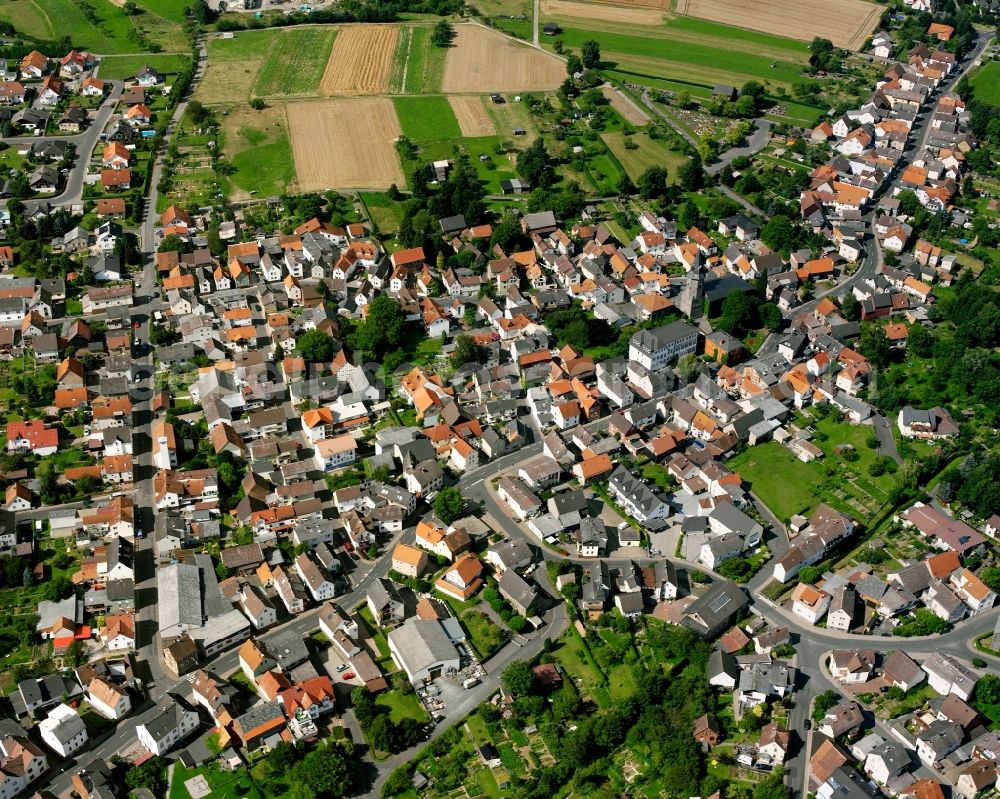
<point x="886" y="441"/>
<point x="85" y="142"/>
<point x="753" y="209"/>
<point x="756" y="142"/>
<point x="872" y="262"/>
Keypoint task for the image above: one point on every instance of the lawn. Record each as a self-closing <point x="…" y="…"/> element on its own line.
<point x="495" y="167"/>
<point x="233" y="65"/>
<point x="120" y="67"/>
<point x="485" y="635"/>
<point x="648" y="152"/>
<point x="986" y="82"/>
<point x="577" y="662"/>
<point x="51" y="19"/>
<point x="295" y="62"/>
<point x="402" y="706"/>
<point x="622" y="684"/>
<point x="384" y="212"/>
<point x="427" y="118"/>
<point x="783" y="482"/>
<point x="223" y="785"/>
<point x="375" y="632"/>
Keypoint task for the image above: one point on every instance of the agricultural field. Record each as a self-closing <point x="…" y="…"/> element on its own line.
<point x="51" y="19"/>
<point x="360" y="61"/>
<point x="471" y="115"/>
<point x="847" y="23"/>
<point x="233" y="65"/>
<point x="986" y="82"/>
<point x="577" y="9"/>
<point x="625" y="106"/>
<point x="119" y="67"/>
<point x="418" y="65"/>
<point x="329" y="152"/>
<point x="482" y="60"/>
<point x="690" y="51"/>
<point x="256" y="143"/>
<point x="295" y="63"/>
<point x="426" y="118"/>
<point x="511" y="16"/>
<point x="648" y="152"/>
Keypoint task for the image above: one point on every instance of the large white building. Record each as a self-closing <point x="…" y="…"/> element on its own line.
<point x="423" y="649"/>
<point x="654" y="349"/>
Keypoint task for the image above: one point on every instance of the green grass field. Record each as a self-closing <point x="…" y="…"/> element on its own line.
<point x="118" y="67"/>
<point x="257" y="145"/>
<point x="705" y="62"/>
<point x="51" y="19"/>
<point x="427" y="118"/>
<point x="295" y="62"/>
<point x="986" y="82"/>
<point x="418" y="65"/>
<point x="402" y="707"/>
<point x="384" y="212"/>
<point x="783" y="482"/>
<point x="495" y="168"/>
<point x="168" y="9"/>
<point x="649" y="152"/>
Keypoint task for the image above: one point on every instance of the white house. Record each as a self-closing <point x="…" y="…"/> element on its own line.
<point x="175" y="721"/>
<point x="63" y="731"/>
<point x="107" y="699"/>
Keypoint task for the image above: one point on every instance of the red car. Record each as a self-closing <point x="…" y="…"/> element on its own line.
<point x="349" y="676"/>
<point x="136" y="325"/>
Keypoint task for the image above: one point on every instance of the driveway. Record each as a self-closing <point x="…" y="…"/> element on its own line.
<point x="886" y="441"/>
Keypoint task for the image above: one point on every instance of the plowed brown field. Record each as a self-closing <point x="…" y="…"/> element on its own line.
<point x="482" y="60"/>
<point x="345" y="143"/>
<point x="360" y="61"/>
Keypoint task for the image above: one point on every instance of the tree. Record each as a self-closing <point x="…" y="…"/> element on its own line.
<point x="988" y="690"/>
<point x="590" y="54"/>
<point x="466" y="351"/>
<point x="809" y="575"/>
<point x="442" y="34"/>
<point x="151" y="775"/>
<point x="770" y="315"/>
<point x="573" y="64"/>
<point x="315" y="346"/>
<point x="534" y="164"/>
<point x="382" y="329"/>
<point x="448" y="504"/>
<point x="653" y="183"/>
<point x="324" y="774"/>
<point x="171" y="243"/>
<point x="691" y="175"/>
<point x="823" y="703"/>
<point x="198" y="114"/>
<point x="257" y="104"/>
<point x="779" y="233"/>
<point x="738" y="312"/>
<point x="518" y="678"/>
<point x="909" y="203"/>
<point x="991" y="576"/>
<point x="58" y="587"/>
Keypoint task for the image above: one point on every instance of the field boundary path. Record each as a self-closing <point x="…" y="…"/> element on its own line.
<point x="534" y="24"/>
